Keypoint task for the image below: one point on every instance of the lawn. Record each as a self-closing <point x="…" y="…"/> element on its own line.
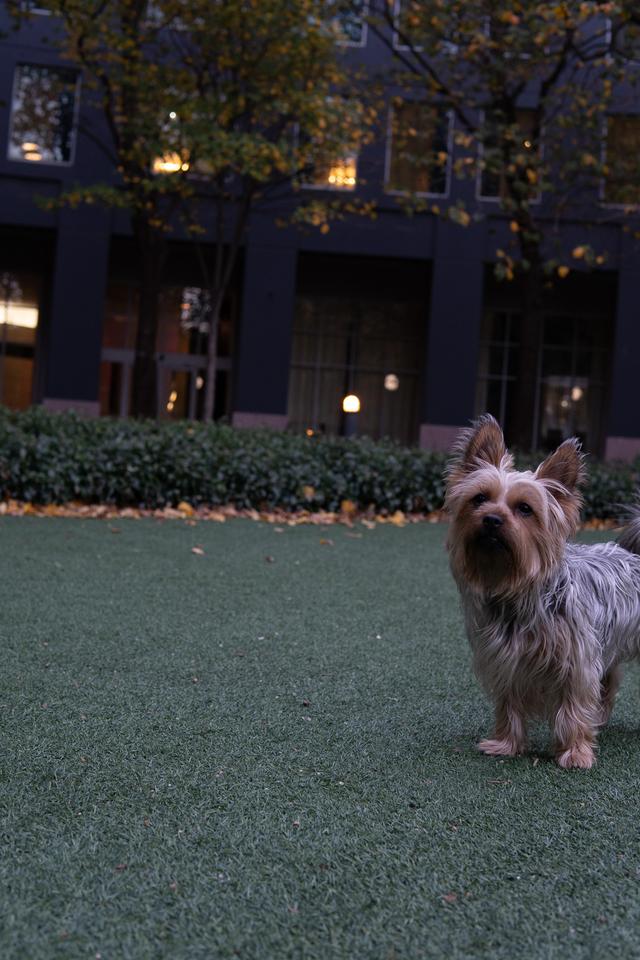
<point x="265" y="749"/>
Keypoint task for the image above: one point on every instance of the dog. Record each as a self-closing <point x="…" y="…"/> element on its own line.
<point x="549" y="622"/>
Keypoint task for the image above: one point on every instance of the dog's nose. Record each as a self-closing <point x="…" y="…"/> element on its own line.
<point x="492" y="521"/>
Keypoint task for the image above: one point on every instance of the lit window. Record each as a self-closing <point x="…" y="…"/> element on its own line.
<point x="43" y="114"/>
<point x="523" y="144"/>
<point x="340" y="174"/>
<point x="622" y="146"/>
<point x="418" y="150"/>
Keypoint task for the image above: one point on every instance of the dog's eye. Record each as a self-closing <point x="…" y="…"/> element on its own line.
<point x="479" y="499"/>
<point x="524" y="509"/>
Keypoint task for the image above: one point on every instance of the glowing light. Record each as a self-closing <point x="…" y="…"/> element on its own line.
<point x="173" y="115"/>
<point x="169" y="163"/>
<point x="343" y="173"/>
<point x="173" y="396"/>
<point x="27" y="146"/>
<point x="351" y="403"/>
<point x="18" y="316"/>
<point x="170" y="406"/>
<point x="391" y="382"/>
<point x="309" y="432"/>
<point x="33" y="155"/>
<point x="527" y="144"/>
<point x="199" y="383"/>
<point x="576" y="394"/>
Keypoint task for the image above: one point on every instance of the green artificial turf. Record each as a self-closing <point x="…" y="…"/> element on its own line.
<point x="267" y="751"/>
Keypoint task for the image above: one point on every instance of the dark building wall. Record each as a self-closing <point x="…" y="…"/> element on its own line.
<point x="75" y="270"/>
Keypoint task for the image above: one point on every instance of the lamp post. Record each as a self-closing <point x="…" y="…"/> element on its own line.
<point x="350" y="409"/>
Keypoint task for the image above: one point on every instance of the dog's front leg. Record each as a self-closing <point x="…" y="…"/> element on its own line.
<point x="575" y="726"/>
<point x="510" y="737"/>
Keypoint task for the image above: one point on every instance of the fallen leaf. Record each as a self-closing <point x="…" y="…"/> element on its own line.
<point x="269" y="559"/>
<point x="186" y="508"/>
<point x="398" y="519"/>
<point x="308" y="492"/>
<point x="198" y="550"/>
<point x="121" y="867"/>
<point x="348" y="507"/>
<point x="326" y="542"/>
<point x="450" y="897"/>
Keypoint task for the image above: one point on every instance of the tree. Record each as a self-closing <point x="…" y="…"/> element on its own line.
<point x="268" y="105"/>
<point x="210" y="108"/>
<point x="528" y="84"/>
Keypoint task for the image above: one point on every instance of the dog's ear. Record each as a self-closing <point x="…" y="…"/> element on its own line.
<point x="564" y="467"/>
<point x="481" y="445"/>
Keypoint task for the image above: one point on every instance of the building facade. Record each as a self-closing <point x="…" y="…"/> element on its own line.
<point x="403" y="311"/>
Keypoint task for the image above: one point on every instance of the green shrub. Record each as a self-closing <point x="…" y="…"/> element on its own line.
<point x="55" y="458"/>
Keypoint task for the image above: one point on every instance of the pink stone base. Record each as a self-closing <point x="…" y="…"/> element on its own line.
<point x="622" y="448"/>
<point x="273" y="421"/>
<point x="437" y="437"/>
<point x="85" y="408"/>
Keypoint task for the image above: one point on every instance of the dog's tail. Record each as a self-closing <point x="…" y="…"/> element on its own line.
<point x="630" y="536"/>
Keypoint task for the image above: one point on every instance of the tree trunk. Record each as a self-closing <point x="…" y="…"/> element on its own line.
<point x="153" y="248"/>
<point x="522" y="427"/>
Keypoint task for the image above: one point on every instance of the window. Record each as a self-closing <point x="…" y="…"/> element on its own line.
<point x="418" y="149"/>
<point x="521" y="144"/>
<point x="627" y="41"/>
<point x="19" y="296"/>
<point x="572" y="366"/>
<point x="348" y="19"/>
<point x="181" y="351"/>
<point x="43" y="114"/>
<point x="621" y="168"/>
<point x="356" y="345"/>
<point x="499" y="339"/>
<point x="336" y="174"/>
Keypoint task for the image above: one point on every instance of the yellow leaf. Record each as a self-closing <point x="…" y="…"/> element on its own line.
<point x="308" y="492"/>
<point x="186" y="508"/>
<point x="348" y="507"/>
<point x="563" y="272"/>
<point x="398" y="519"/>
<point x="513" y="226"/>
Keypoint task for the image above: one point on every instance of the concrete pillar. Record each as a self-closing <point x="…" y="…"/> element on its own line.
<point x="73" y="337"/>
<point x="623" y="422"/>
<point x="453" y="338"/>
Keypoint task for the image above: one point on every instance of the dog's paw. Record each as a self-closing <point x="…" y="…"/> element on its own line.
<point x="500" y="748"/>
<point x="580" y="755"/>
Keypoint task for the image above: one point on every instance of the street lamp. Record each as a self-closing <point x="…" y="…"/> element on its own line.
<point x="351" y="409"/>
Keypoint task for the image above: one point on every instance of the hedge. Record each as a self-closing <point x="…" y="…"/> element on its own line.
<point x="55" y="458"/>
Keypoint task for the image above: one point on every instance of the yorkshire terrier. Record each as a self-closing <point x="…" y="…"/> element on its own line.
<point x="549" y="622"/>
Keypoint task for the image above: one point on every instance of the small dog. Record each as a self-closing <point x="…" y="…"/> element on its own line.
<point x="549" y="622"/>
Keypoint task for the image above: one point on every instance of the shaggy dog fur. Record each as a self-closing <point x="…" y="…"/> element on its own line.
<point x="549" y="622"/>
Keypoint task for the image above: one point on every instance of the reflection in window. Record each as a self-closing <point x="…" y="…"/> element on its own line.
<point x="42" y="114"/>
<point x="572" y="380"/>
<point x="18" y="327"/>
<point x="348" y="19"/>
<point x="621" y="183"/>
<point x="493" y="183"/>
<point x="181" y="344"/>
<point x="572" y="367"/>
<point x="418" y="149"/>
